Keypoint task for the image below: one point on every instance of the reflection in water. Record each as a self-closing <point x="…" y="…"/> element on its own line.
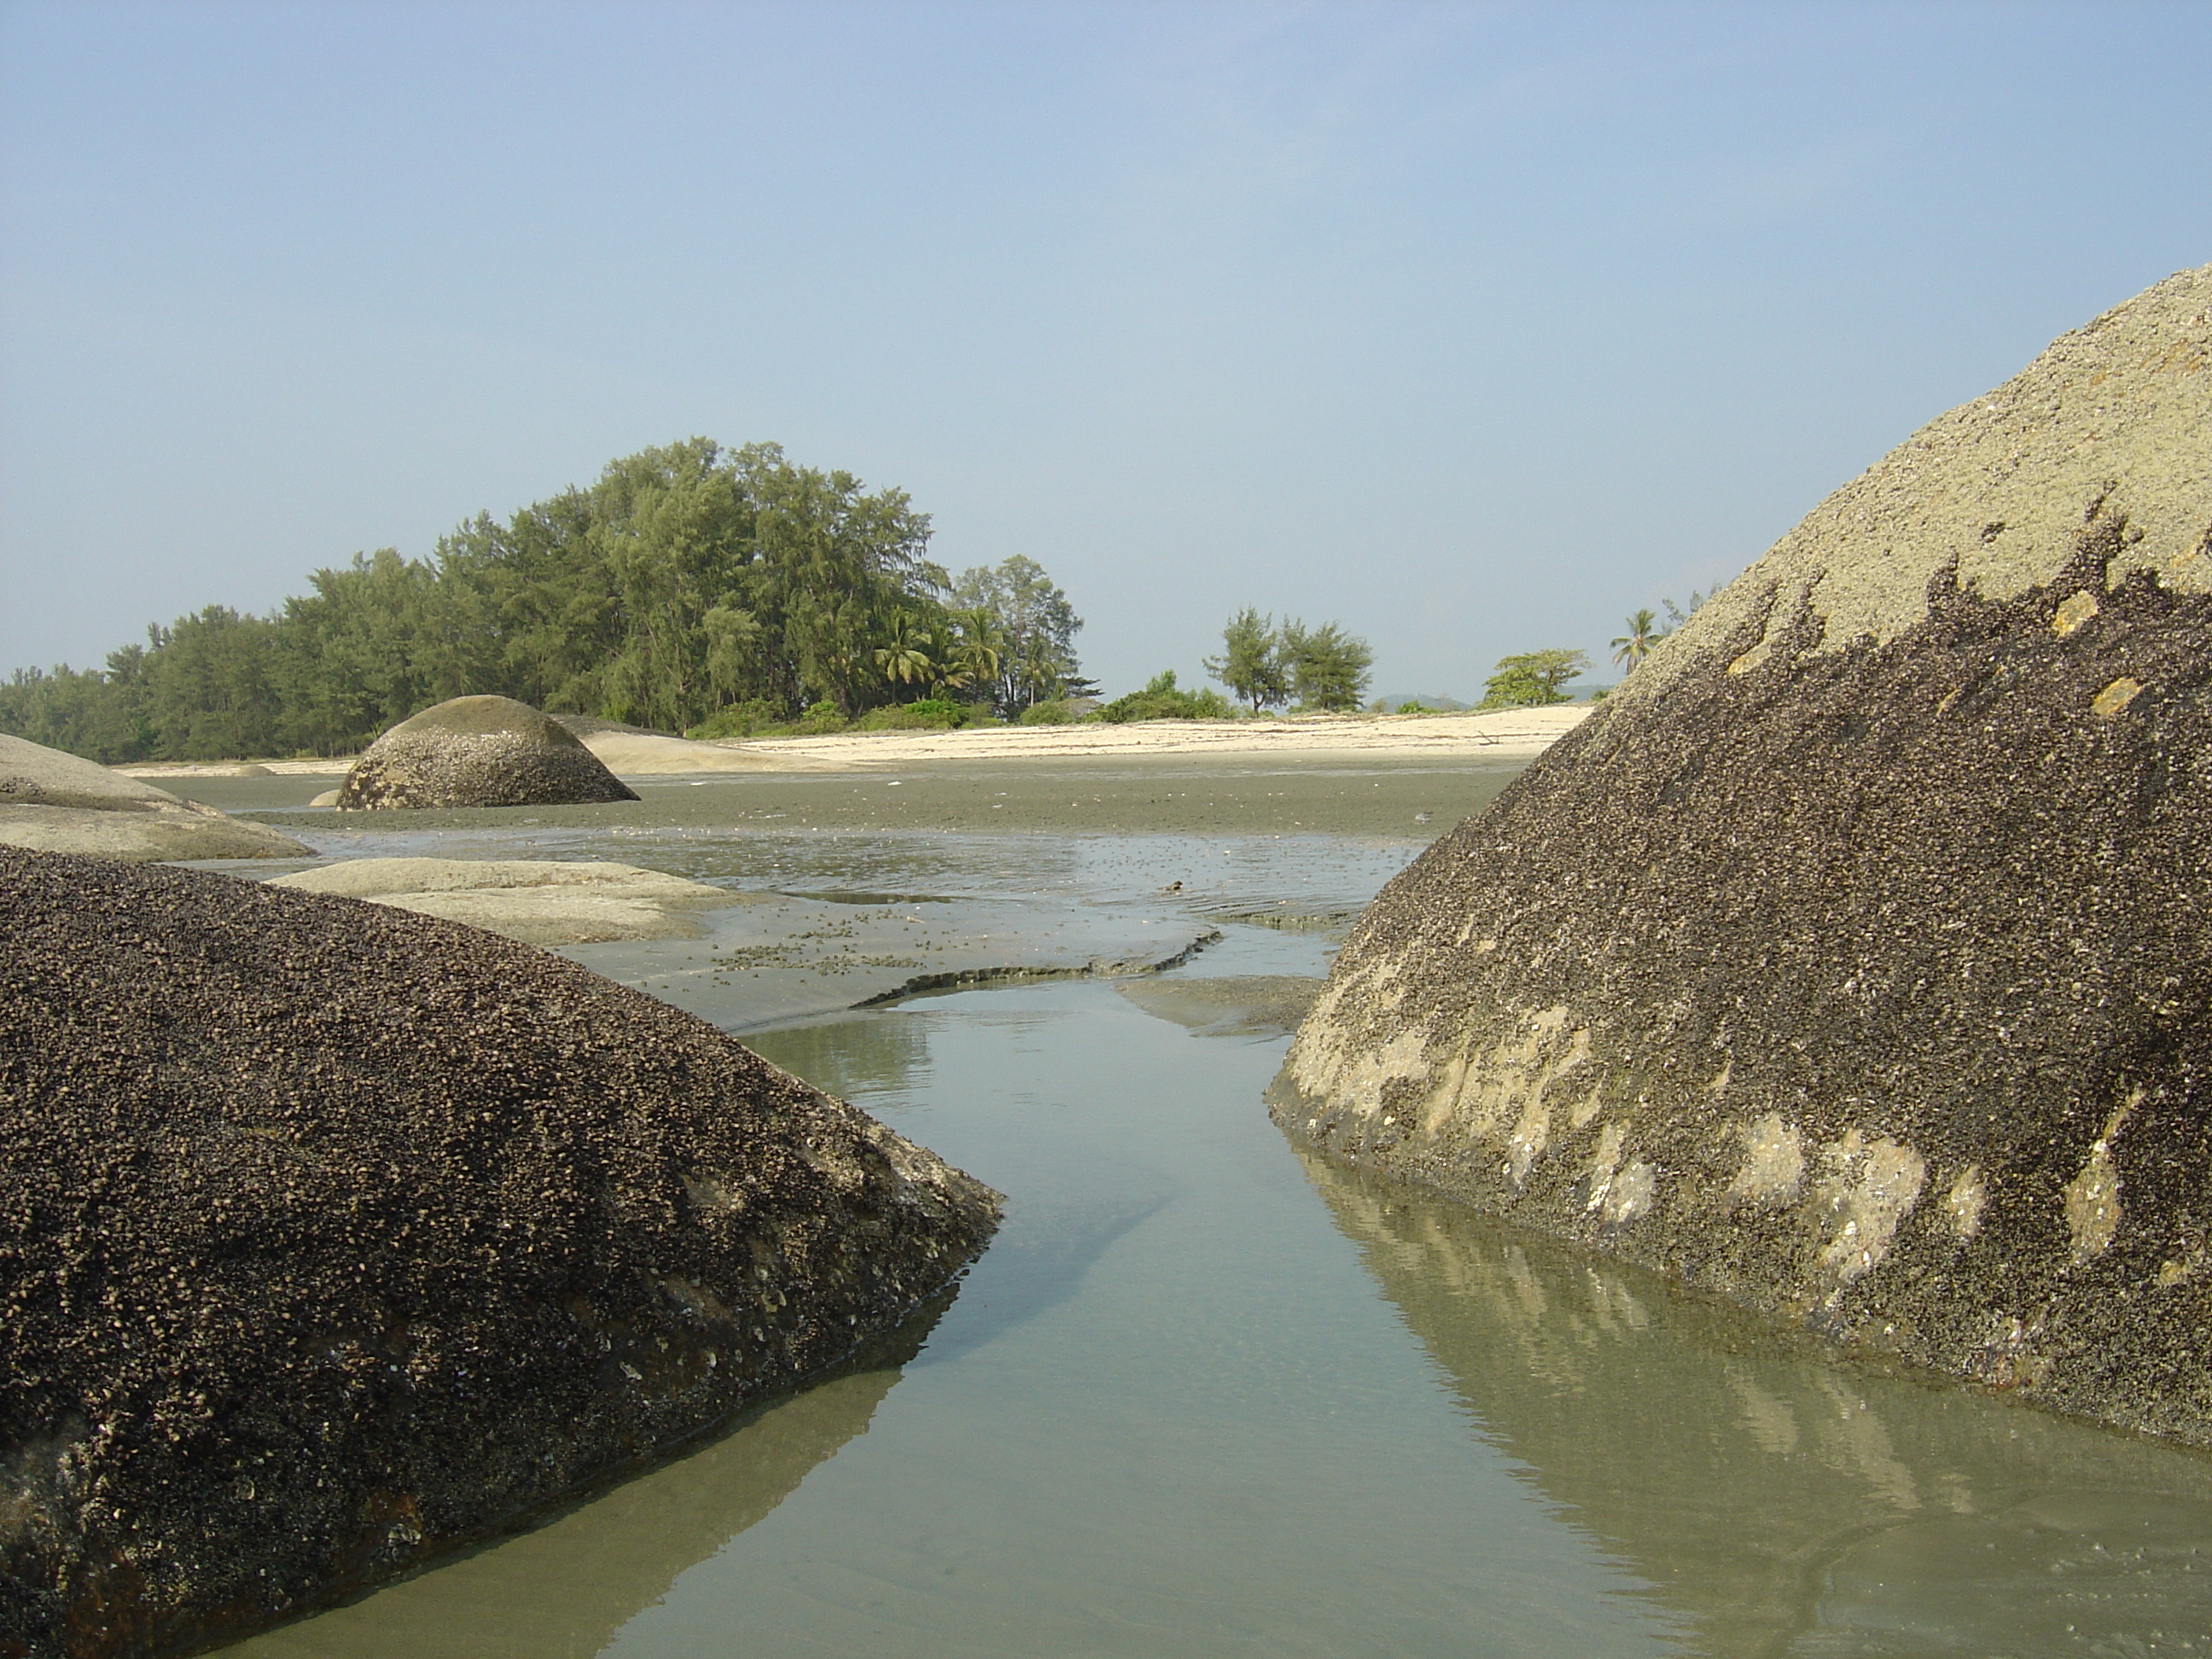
<point x="1037" y="1260"/>
<point x="1791" y="1505"/>
<point x="863" y="1061"/>
<point x="1055" y="1226"/>
<point x="563" y="1590"/>
<point x="1170" y="1413"/>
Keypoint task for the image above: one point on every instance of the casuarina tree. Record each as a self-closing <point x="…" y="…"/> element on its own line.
<point x="1251" y="661"/>
<point x="1329" y="668"/>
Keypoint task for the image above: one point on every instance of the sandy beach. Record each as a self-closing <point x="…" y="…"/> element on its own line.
<point x="1510" y="733"/>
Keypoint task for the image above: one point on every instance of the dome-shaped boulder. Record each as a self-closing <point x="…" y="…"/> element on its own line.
<point x="479" y="751"/>
<point x="52" y="801"/>
<point x="1855" y="961"/>
<point x="333" y="1237"/>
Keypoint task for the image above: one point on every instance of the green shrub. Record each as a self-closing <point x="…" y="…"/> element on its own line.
<point x="819" y="721"/>
<point x="1412" y="708"/>
<point x="928" y="714"/>
<point x="1058" y="711"/>
<point x="739" y="720"/>
<point x="1162" y="700"/>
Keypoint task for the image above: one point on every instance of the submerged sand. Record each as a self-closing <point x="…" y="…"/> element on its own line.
<point x="538" y="901"/>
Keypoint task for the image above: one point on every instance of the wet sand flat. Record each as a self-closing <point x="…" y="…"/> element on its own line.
<point x="1178" y="843"/>
<point x="1411" y="797"/>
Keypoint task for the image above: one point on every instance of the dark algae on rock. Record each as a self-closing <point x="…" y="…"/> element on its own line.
<point x="479" y="751"/>
<point x="1855" y="961"/>
<point x="334" y="1237"/>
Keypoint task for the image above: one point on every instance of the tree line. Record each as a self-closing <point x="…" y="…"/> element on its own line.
<point x="691" y="583"/>
<point x="1270" y="664"/>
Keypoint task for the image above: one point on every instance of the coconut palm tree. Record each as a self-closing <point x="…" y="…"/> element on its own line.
<point x="903" y="656"/>
<point x="942" y="646"/>
<point x="1643" y="633"/>
<point x="982" y="648"/>
<point x="1040" y="670"/>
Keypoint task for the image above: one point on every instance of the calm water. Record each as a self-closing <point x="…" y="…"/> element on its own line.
<point x="1202" y="1398"/>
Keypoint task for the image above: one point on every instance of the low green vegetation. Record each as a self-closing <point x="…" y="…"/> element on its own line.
<point x="725" y="592"/>
<point x="1162" y="699"/>
<point x="1268" y="666"/>
<point x="754" y="717"/>
<point x="927" y="714"/>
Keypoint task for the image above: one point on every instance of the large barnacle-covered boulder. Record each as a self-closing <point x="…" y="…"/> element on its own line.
<point x="1855" y="961"/>
<point x="334" y="1237"/>
<point x="479" y="751"/>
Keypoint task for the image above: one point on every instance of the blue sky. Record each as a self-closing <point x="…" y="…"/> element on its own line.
<point x="1470" y="327"/>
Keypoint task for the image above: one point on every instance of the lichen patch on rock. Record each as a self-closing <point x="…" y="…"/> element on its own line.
<point x="2092" y="1197"/>
<point x="1773" y="1161"/>
<point x="1868" y="1188"/>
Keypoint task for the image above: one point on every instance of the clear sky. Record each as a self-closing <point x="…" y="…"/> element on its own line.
<point x="1473" y="327"/>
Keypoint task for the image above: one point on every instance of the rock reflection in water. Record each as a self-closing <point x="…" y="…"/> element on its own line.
<point x="860" y="1061"/>
<point x="563" y="1590"/>
<point x="1788" y="1505"/>
<point x="1059" y="1224"/>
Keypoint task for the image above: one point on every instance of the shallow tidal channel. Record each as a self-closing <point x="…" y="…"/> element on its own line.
<point x="1205" y="1397"/>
